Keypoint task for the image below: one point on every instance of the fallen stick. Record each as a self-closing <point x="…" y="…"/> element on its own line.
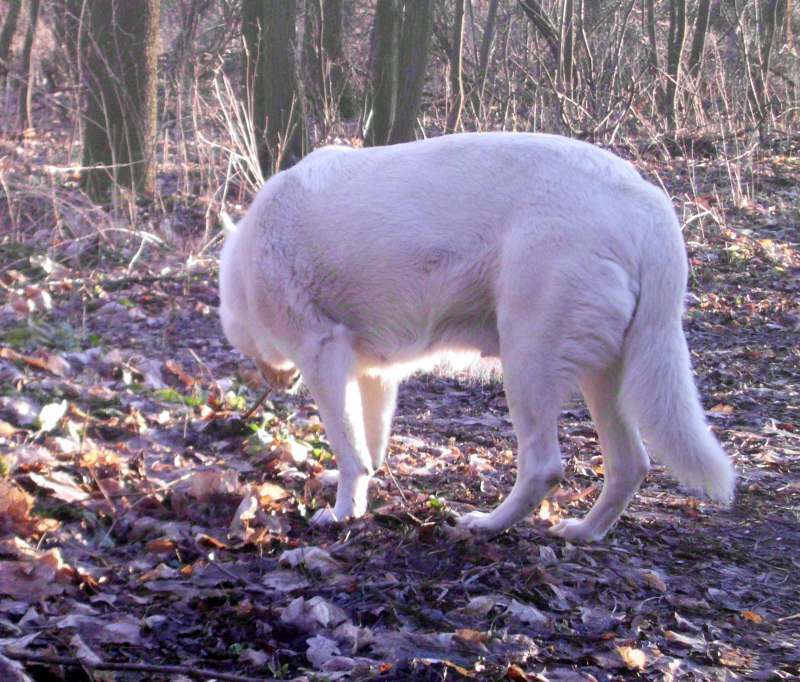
<point x="130" y="667"/>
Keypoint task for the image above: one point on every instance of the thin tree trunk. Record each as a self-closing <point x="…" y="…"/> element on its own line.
<point x="69" y="23"/>
<point x="769" y="19"/>
<point x="566" y="47"/>
<point x="699" y="38"/>
<point x="677" y="39"/>
<point x="312" y="55"/>
<point x="268" y="27"/>
<point x="121" y="105"/>
<point x="26" y="91"/>
<point x="541" y="21"/>
<point x="341" y="91"/>
<point x="386" y="33"/>
<point x="415" y="38"/>
<point x="456" y="66"/>
<point x="651" y="34"/>
<point x="7" y="37"/>
<point x="486" y="45"/>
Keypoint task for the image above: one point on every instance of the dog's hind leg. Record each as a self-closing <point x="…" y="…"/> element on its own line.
<point x="378" y="401"/>
<point x="327" y="362"/>
<point x="534" y="397"/>
<point x="625" y="461"/>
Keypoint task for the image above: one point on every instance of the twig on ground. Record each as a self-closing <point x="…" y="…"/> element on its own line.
<point x="257" y="404"/>
<point x="396" y="484"/>
<point x="131" y="667"/>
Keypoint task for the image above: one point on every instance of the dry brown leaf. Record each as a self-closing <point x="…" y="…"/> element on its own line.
<point x="61" y="485"/>
<point x="635" y="659"/>
<point x="160" y="546"/>
<point x="721" y="408"/>
<point x="205" y="484"/>
<point x="33" y="579"/>
<point x="654" y="580"/>
<point x="471" y="637"/>
<point x="271" y="492"/>
<point x="15" y="512"/>
<point x="516" y="673"/>
<point x="49" y="362"/>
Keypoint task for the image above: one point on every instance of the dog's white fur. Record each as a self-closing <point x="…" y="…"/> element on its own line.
<point x="355" y="266"/>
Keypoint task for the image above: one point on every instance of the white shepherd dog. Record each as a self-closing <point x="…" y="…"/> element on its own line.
<point x="358" y="266"/>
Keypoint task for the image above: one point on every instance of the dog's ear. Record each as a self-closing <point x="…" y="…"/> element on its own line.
<point x="228" y="226"/>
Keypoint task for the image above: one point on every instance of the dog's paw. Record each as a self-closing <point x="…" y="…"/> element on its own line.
<point x="576" y="530"/>
<point x="471" y="526"/>
<point x="324" y="518"/>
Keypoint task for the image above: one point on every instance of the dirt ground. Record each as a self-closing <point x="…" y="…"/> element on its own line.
<point x="146" y="523"/>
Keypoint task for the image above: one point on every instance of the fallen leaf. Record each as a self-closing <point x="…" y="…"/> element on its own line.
<point x="314" y="558"/>
<point x="526" y="614"/>
<point x="160" y="546"/>
<point x="635" y="659"/>
<point x="33" y="579"/>
<point x="320" y="650"/>
<point x="16" y="512"/>
<point x="50" y="415"/>
<point x="311" y="614"/>
<point x="61" y="485"/>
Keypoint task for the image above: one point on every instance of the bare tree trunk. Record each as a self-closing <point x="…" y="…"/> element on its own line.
<point x="191" y="16"/>
<point x="566" y="58"/>
<point x="268" y="27"/>
<point x="386" y="34"/>
<point x="486" y="45"/>
<point x="26" y="89"/>
<point x="769" y="19"/>
<point x="70" y="19"/>
<point x="699" y="39"/>
<point x="7" y="37"/>
<point x="677" y="39"/>
<point x="541" y="21"/>
<point x="120" y="76"/>
<point x="651" y="34"/>
<point x="341" y="91"/>
<point x="415" y="38"/>
<point x="456" y="66"/>
<point x="312" y="55"/>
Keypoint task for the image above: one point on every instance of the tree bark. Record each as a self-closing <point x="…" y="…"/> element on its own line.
<point x="7" y="37"/>
<point x="271" y="84"/>
<point x="566" y="46"/>
<point x="699" y="38"/>
<point x="769" y="20"/>
<point x="651" y="34"/>
<point x="415" y="38"/>
<point x="69" y="22"/>
<point x="542" y="22"/>
<point x="26" y="89"/>
<point x="386" y="57"/>
<point x="121" y="49"/>
<point x="456" y="65"/>
<point x="341" y="91"/>
<point x="486" y="45"/>
<point x="677" y="39"/>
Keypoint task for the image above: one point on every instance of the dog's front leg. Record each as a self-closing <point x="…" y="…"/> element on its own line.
<point x="327" y="365"/>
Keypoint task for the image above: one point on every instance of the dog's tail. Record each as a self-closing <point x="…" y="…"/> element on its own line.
<point x="658" y="393"/>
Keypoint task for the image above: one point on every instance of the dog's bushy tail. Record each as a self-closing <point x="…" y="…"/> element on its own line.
<point x="658" y="393"/>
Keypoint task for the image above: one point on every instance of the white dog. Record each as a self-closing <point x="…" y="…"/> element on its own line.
<point x="358" y="265"/>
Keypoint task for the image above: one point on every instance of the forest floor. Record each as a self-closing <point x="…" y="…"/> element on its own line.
<point x="145" y="523"/>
